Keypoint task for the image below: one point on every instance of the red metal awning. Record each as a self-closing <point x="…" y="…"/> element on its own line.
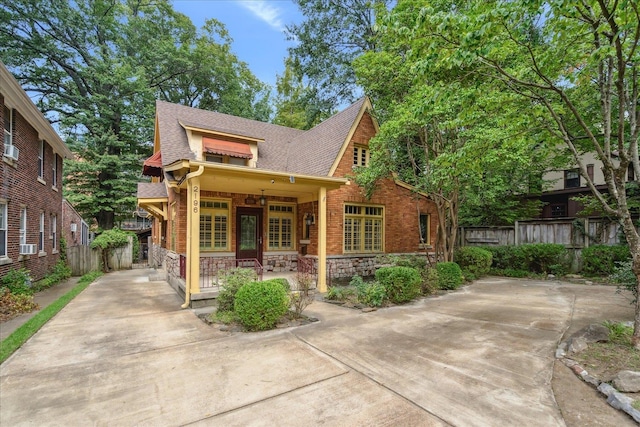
<point x="226" y="148"/>
<point x="153" y="165"/>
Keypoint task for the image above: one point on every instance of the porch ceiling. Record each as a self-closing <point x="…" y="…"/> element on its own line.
<point x="237" y="179"/>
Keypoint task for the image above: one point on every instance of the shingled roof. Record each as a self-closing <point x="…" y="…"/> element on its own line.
<point x="152" y="190"/>
<point x="284" y="149"/>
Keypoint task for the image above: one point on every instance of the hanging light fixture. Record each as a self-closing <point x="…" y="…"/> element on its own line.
<point x="263" y="200"/>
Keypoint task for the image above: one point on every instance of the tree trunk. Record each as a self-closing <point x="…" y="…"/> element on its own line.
<point x="106" y="220"/>
<point x="633" y="239"/>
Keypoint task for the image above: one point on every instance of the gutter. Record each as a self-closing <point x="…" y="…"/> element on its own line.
<point x="187" y="287"/>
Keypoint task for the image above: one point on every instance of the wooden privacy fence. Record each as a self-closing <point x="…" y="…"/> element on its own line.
<point x="574" y="234"/>
<point x="83" y="259"/>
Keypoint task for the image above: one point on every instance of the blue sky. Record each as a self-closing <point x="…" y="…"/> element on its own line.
<point x="256" y="27"/>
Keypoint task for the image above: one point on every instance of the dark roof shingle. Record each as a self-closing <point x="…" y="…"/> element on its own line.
<point x="284" y="149"/>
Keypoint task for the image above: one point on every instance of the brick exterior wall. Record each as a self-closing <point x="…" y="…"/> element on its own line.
<point x="71" y="216"/>
<point x="402" y="208"/>
<point x="401" y="205"/>
<point x="20" y="187"/>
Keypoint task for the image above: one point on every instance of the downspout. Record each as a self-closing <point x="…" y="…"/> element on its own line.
<point x="187" y="288"/>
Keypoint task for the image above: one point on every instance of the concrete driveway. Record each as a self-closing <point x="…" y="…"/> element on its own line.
<point x="124" y="353"/>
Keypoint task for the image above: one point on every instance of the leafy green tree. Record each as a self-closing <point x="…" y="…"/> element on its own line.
<point x="333" y="34"/>
<point x="109" y="240"/>
<point x="292" y="109"/>
<point x="577" y="69"/>
<point x="98" y="65"/>
<point x="441" y="130"/>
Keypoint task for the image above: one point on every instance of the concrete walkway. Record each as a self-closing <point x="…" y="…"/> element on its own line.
<point x="43" y="299"/>
<point x="123" y="353"/>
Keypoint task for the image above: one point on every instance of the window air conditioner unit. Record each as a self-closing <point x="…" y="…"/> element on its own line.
<point x="11" y="151"/>
<point x="28" y="249"/>
<point x="74" y="228"/>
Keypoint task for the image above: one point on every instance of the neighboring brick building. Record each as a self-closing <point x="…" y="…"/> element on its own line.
<point x="30" y="183"/>
<point x="228" y="188"/>
<point x="74" y="229"/>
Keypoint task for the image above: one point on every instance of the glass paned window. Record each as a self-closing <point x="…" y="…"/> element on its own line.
<point x="363" y="228"/>
<point x="8" y="126"/>
<point x="41" y="159"/>
<point x="54" y="178"/>
<point x="54" y="232"/>
<point x="571" y="178"/>
<point x="360" y="156"/>
<point x="424" y="228"/>
<point x="41" y="233"/>
<point x="23" y="226"/>
<point x="3" y="229"/>
<point x="281" y="220"/>
<point x="214" y="225"/>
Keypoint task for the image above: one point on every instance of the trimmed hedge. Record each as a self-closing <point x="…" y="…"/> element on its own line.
<point x="449" y="275"/>
<point x="601" y="260"/>
<point x="473" y="259"/>
<point x="233" y="280"/>
<point x="402" y="284"/>
<point x="533" y="257"/>
<point x="259" y="305"/>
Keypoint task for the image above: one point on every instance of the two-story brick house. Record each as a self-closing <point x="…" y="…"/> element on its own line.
<point x="30" y="183"/>
<point x="225" y="188"/>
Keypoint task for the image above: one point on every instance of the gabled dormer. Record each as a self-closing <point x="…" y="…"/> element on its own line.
<point x="217" y="146"/>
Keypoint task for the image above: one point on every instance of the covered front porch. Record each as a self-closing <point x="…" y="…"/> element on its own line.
<point x="220" y="216"/>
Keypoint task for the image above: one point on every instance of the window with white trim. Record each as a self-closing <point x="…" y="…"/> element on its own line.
<point x="41" y="159"/>
<point x="8" y="126"/>
<point x="23" y="226"/>
<point x="363" y="228"/>
<point x="214" y="225"/>
<point x="360" y="156"/>
<point x="41" y="233"/>
<point x="3" y="229"/>
<point x="54" y="232"/>
<point x="54" y="178"/>
<point x="425" y="220"/>
<point x="281" y="230"/>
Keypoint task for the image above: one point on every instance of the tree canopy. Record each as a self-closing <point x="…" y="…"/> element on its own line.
<point x="454" y="136"/>
<point x="96" y="67"/>
<point x="332" y="35"/>
<point x="567" y="69"/>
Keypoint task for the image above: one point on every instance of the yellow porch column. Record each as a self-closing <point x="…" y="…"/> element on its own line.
<point x="193" y="236"/>
<point x="322" y="239"/>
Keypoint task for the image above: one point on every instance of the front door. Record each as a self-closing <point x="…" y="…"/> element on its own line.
<point x="249" y="234"/>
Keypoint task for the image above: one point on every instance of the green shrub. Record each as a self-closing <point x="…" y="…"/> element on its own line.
<point x="283" y="282"/>
<point x="18" y="282"/>
<point x="402" y="284"/>
<point x="625" y="278"/>
<point x="449" y="275"/>
<point x="339" y="293"/>
<point x="232" y="281"/>
<point x="512" y="272"/>
<point x="473" y="260"/>
<point x="601" y="260"/>
<point x="60" y="271"/>
<point x="533" y="257"/>
<point x="372" y="294"/>
<point x="259" y="305"/>
<point x="429" y="281"/>
<point x="540" y="256"/>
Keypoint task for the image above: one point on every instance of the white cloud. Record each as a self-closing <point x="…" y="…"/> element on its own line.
<point x="264" y="10"/>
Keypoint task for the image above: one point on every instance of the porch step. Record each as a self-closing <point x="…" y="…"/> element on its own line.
<point x="159" y="275"/>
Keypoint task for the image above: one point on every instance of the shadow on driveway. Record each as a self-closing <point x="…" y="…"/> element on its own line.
<point x="124" y="353"/>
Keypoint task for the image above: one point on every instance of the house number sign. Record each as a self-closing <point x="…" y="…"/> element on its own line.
<point x="196" y="202"/>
